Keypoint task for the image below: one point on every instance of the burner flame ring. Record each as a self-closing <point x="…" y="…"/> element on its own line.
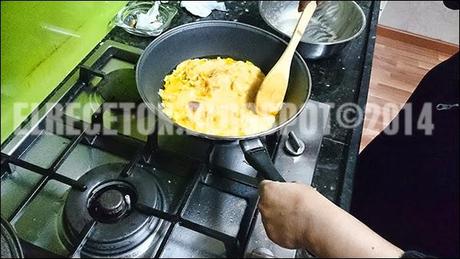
<point x="119" y="232"/>
<point x="111" y="202"/>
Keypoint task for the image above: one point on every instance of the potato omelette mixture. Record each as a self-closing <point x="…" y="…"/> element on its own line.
<point x="215" y="96"/>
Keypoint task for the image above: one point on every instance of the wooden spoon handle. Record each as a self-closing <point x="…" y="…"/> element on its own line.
<point x="299" y="30"/>
<point x="271" y="93"/>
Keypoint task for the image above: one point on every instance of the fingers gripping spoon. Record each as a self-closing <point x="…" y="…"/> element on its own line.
<point x="270" y="96"/>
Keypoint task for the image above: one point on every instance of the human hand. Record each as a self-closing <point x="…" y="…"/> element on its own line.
<point x="303" y="4"/>
<point x="283" y="206"/>
<point x="297" y="216"/>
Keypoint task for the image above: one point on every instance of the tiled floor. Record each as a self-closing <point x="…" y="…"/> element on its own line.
<point x="397" y="69"/>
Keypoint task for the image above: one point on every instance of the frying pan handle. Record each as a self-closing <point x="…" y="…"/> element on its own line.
<point x="257" y="156"/>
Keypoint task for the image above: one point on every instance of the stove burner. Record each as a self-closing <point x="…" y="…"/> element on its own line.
<point x="110" y="205"/>
<point x="120" y="231"/>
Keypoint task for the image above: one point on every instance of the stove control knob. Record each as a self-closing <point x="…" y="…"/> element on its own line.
<point x="293" y="145"/>
<point x="262" y="252"/>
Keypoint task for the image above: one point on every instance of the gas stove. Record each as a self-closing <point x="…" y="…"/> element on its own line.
<point x="137" y="194"/>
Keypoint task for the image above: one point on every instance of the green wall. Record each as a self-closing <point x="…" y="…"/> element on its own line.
<point x="41" y="43"/>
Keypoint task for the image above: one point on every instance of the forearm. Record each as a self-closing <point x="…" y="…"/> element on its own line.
<point x="331" y="232"/>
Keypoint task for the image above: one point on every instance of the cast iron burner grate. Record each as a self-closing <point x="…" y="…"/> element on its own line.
<point x="145" y="153"/>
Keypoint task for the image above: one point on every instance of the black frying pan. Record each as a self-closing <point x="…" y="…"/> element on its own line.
<point x="225" y="39"/>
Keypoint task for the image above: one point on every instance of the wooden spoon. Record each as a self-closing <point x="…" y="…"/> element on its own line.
<point x="270" y="96"/>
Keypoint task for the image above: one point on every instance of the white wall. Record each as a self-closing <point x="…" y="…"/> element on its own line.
<point x="428" y="18"/>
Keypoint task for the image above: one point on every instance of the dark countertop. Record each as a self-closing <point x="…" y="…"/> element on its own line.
<point x="341" y="79"/>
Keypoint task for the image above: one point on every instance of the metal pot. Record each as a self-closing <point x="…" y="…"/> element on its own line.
<point x="10" y="246"/>
<point x="226" y="39"/>
<point x="332" y="27"/>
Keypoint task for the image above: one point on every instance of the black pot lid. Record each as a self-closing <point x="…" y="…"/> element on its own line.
<point x="11" y="247"/>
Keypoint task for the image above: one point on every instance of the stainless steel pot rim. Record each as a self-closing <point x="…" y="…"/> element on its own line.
<point x="10" y="236"/>
<point x="363" y="26"/>
<point x="165" y="117"/>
